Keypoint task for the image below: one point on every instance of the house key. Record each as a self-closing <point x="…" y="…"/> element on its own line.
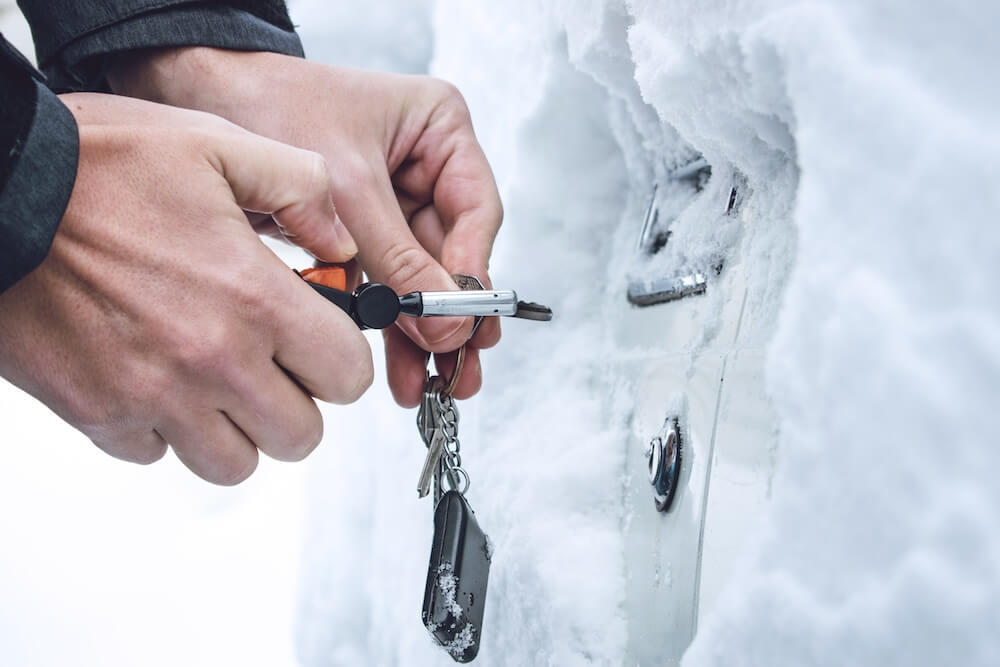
<point x="428" y="422"/>
<point x="437" y="420"/>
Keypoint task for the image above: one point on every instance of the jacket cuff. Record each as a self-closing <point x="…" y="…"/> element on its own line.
<point x="36" y="194"/>
<point x="82" y="64"/>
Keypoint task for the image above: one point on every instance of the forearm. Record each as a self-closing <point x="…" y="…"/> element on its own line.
<point x="76" y="39"/>
<point x="221" y="81"/>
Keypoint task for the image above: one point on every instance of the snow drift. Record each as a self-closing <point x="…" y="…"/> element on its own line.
<point x="865" y="133"/>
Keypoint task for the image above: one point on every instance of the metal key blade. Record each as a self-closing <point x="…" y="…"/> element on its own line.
<point x="426" y="419"/>
<point x="533" y="311"/>
<point x="434" y="451"/>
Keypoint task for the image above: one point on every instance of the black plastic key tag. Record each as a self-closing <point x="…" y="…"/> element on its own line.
<point x="455" y="595"/>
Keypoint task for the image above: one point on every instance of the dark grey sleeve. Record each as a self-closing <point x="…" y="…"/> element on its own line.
<point x="73" y="38"/>
<point x="39" y="172"/>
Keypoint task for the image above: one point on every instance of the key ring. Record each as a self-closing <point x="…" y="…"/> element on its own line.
<point x="452" y="382"/>
<point x="466" y="283"/>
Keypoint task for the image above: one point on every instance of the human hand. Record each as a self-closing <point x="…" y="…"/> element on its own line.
<point x="159" y="317"/>
<point x="410" y="180"/>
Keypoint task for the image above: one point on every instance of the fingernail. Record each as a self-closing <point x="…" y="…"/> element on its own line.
<point x="345" y="242"/>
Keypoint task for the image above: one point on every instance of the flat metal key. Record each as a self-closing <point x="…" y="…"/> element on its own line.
<point x="528" y="310"/>
<point x="429" y="425"/>
<point x="432" y="462"/>
<point x="427" y="415"/>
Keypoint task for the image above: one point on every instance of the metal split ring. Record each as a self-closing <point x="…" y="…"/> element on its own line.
<point x="452" y="382"/>
<point x="458" y="479"/>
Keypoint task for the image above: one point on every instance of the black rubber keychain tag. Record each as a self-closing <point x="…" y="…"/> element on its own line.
<point x="459" y="569"/>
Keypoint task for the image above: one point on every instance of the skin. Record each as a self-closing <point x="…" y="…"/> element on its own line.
<point x="159" y="317"/>
<point x="407" y="174"/>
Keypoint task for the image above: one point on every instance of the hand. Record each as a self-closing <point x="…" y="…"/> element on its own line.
<point x="159" y="317"/>
<point x="409" y="178"/>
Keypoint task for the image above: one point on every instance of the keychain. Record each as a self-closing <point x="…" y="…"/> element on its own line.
<point x="459" y="568"/>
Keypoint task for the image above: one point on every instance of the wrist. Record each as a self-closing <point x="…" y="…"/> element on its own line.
<point x="190" y="77"/>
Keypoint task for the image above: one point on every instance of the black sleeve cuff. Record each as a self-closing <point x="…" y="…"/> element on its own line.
<point x="80" y="64"/>
<point x="37" y="191"/>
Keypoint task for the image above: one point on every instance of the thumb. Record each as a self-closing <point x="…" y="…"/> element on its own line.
<point x="291" y="184"/>
<point x="392" y="255"/>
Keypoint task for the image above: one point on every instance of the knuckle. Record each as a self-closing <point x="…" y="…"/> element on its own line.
<point x="316" y="173"/>
<point x="354" y="174"/>
<point x="405" y="265"/>
<point x="354" y="373"/>
<point x="205" y="351"/>
<point x="233" y="471"/>
<point x="128" y="445"/>
<point x="148" y="454"/>
<point x="319" y="170"/>
<point x="85" y="415"/>
<point x="451" y="101"/>
<point x="363" y="377"/>
<point x="449" y="92"/>
<point x="302" y="444"/>
<point x="206" y="130"/>
<point x="249" y="287"/>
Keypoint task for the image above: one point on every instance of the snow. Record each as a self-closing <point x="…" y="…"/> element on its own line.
<point x="447" y="584"/>
<point x="862" y="135"/>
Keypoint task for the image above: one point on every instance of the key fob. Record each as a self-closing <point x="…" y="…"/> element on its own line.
<point x="455" y="595"/>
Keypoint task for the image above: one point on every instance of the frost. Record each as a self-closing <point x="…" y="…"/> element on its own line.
<point x="461" y="642"/>
<point x="447" y="585"/>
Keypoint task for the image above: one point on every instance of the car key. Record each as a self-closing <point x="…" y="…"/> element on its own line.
<point x="457" y="576"/>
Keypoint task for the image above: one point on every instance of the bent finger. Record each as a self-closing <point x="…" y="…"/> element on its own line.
<point x="212" y="447"/>
<point x="429" y="230"/>
<point x="392" y="255"/>
<point x="290" y="184"/>
<point x="471" y="379"/>
<point x="405" y="367"/>
<point x="275" y="413"/>
<point x="463" y="190"/>
<point x="317" y="343"/>
<point x="141" y="445"/>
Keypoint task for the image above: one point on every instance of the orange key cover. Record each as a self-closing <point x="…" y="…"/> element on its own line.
<point x="328" y="276"/>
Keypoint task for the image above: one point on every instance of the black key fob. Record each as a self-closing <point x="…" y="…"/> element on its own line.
<point x="455" y="595"/>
